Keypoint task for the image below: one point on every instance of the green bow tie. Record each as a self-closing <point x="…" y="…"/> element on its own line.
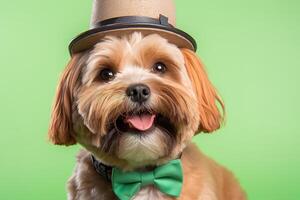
<point x="167" y="178"/>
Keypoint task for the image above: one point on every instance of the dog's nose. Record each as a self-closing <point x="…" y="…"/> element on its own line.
<point x="138" y="93"/>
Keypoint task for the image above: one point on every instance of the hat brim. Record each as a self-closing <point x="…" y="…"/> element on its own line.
<point x="88" y="39"/>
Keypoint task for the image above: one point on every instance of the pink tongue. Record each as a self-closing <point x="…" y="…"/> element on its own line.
<point x="141" y="122"/>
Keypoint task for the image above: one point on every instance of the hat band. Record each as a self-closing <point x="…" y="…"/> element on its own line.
<point x="163" y="20"/>
<point x="88" y="38"/>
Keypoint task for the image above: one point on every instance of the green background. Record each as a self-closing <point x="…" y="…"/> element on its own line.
<point x="252" y="53"/>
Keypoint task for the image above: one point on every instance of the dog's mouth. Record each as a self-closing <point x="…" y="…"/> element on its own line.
<point x="139" y="123"/>
<point x="143" y="122"/>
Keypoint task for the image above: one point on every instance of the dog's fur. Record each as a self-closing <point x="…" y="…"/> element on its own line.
<point x="87" y="109"/>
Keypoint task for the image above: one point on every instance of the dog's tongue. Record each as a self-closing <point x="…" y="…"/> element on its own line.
<point x="141" y="122"/>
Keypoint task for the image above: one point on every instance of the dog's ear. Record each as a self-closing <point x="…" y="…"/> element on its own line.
<point x="210" y="115"/>
<point x="60" y="129"/>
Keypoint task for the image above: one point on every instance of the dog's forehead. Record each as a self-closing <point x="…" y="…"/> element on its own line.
<point x="133" y="57"/>
<point x="136" y="49"/>
<point x="135" y="73"/>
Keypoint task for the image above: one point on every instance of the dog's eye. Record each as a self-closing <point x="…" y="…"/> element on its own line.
<point x="159" y="67"/>
<point x="107" y="75"/>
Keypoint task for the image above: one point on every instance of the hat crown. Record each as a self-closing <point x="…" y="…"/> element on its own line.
<point x="107" y="9"/>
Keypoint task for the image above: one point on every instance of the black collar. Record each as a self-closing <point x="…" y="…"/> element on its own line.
<point x="102" y="169"/>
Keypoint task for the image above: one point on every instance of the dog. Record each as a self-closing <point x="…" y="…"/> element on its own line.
<point x="135" y="102"/>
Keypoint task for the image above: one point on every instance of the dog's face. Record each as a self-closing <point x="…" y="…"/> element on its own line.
<point x="134" y="101"/>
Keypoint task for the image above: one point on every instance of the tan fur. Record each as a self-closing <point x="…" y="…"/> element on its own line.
<point x="210" y="116"/>
<point x="86" y="109"/>
<point x="60" y="130"/>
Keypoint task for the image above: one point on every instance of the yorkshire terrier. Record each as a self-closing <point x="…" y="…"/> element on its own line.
<point x="135" y="102"/>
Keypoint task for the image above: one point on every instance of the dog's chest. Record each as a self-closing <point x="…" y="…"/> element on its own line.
<point x="149" y="193"/>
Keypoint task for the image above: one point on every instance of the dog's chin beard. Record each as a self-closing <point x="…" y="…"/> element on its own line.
<point x="140" y="137"/>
